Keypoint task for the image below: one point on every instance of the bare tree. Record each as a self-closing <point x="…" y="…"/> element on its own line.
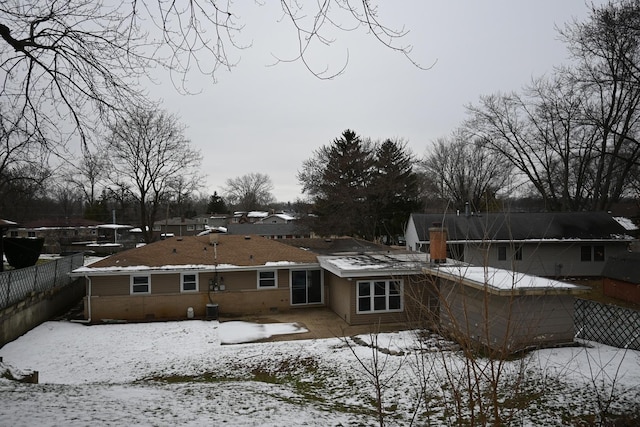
<point x="149" y="157"/>
<point x="573" y="136"/>
<point x="65" y="63"/>
<point x="250" y="191"/>
<point x="462" y="170"/>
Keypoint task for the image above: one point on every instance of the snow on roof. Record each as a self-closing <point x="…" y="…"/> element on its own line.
<point x="501" y="281"/>
<point x="115" y="226"/>
<point x="626" y="223"/>
<point x="373" y="264"/>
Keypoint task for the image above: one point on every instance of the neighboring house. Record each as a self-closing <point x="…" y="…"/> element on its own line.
<point x="245" y="275"/>
<point x="179" y="226"/>
<point x="241" y="217"/>
<point x="277" y="218"/>
<point x="60" y="234"/>
<point x="621" y="277"/>
<point x="562" y="244"/>
<point x="290" y="230"/>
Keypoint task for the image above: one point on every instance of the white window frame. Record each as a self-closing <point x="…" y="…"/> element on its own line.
<point x="261" y="279"/>
<point x="132" y="284"/>
<point x="191" y="227"/>
<point x="371" y="296"/>
<point x="182" y="282"/>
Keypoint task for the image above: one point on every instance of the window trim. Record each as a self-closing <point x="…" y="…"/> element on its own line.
<point x="260" y="279"/>
<point x="182" y="282"/>
<point x="372" y="295"/>
<point x="132" y="284"/>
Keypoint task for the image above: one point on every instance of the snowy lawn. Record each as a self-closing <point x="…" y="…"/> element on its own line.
<point x="181" y="373"/>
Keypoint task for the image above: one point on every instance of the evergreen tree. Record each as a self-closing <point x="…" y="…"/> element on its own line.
<point x="216" y="204"/>
<point x="396" y="189"/>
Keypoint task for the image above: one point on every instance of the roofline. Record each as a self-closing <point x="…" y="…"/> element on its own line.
<point x="573" y="290"/>
<point x="550" y="240"/>
<point x="111" y="271"/>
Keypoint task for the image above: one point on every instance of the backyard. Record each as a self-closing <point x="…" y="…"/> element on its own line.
<point x="169" y="373"/>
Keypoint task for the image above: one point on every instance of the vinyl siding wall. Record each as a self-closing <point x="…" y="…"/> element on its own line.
<point x="506" y="323"/>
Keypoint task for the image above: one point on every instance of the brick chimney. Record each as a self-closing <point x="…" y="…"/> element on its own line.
<point x="438" y="243"/>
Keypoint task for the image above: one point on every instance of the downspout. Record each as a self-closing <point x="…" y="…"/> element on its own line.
<point x="88" y="320"/>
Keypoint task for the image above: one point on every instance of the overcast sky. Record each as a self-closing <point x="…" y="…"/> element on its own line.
<point x="269" y="119"/>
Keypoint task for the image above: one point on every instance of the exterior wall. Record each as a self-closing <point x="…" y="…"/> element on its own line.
<point x="419" y="301"/>
<point x="411" y="236"/>
<point x="111" y="299"/>
<point x="339" y="295"/>
<point x="505" y="323"/>
<point x="553" y="259"/>
<point x="619" y="289"/>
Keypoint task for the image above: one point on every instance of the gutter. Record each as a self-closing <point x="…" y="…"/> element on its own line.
<point x="87" y="321"/>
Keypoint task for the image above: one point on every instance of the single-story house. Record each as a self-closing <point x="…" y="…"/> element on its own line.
<point x="245" y="274"/>
<point x="621" y="277"/>
<point x="180" y="226"/>
<point x="291" y="230"/>
<point x="560" y="244"/>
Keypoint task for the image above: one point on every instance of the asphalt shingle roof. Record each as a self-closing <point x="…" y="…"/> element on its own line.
<point x="522" y="226"/>
<point x="198" y="250"/>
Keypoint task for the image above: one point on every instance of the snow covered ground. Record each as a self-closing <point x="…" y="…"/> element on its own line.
<point x="181" y="373"/>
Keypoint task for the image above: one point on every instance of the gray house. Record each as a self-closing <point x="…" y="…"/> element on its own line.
<point x="558" y="244"/>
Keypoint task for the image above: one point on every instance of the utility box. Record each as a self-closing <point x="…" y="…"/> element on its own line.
<point x="212" y="311"/>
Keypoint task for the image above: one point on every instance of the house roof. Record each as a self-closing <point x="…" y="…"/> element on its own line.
<point x="623" y="267"/>
<point x="337" y="246"/>
<point x="224" y="252"/>
<point x="523" y="226"/>
<point x="391" y="264"/>
<point x="268" y="229"/>
<point x="501" y="281"/>
<point x="61" y="223"/>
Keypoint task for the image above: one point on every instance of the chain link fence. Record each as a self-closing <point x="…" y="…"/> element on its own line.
<point x="16" y="285"/>
<point x="607" y="324"/>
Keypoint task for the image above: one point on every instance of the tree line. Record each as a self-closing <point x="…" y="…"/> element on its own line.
<point x="568" y="140"/>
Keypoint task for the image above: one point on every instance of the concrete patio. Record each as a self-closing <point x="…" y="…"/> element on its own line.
<point x="320" y="322"/>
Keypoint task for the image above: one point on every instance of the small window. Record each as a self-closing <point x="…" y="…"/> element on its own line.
<point x="140" y="285"/>
<point x="156" y="228"/>
<point x="267" y="279"/>
<point x="585" y="253"/>
<point x="31" y="234"/>
<point x="598" y="253"/>
<point x="502" y="253"/>
<point x="188" y="282"/>
<point x="191" y="227"/>
<point x="517" y="255"/>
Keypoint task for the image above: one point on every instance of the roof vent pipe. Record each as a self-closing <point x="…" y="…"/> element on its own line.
<point x="438" y="243"/>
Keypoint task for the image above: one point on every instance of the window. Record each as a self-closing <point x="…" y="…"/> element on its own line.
<point x="589" y="253"/>
<point x="31" y="234"/>
<point x="598" y="253"/>
<point x="156" y="228"/>
<point x="140" y="284"/>
<point x="379" y="296"/>
<point x="267" y="279"/>
<point x="191" y="227"/>
<point x="517" y="255"/>
<point x="188" y="282"/>
<point x="502" y="253"/>
<point x="306" y="287"/>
